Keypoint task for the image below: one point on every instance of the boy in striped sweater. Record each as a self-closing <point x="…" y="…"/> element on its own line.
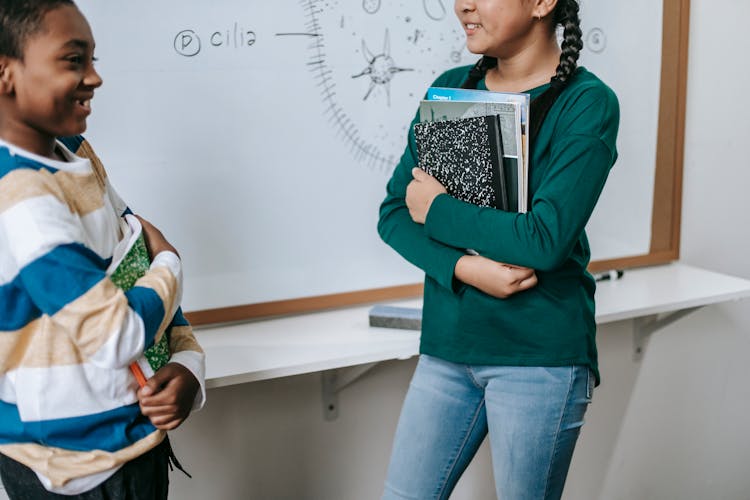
<point x="72" y="418"/>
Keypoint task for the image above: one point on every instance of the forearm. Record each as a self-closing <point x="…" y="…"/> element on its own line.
<point x="195" y="362"/>
<point x="541" y="238"/>
<point x="408" y="238"/>
<point x="164" y="278"/>
<point x="185" y="350"/>
<point x="521" y="240"/>
<point x="110" y="328"/>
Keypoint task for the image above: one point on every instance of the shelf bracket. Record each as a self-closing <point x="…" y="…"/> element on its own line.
<point x="645" y="326"/>
<point x="334" y="381"/>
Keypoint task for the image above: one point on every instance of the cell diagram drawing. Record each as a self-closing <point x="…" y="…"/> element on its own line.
<point x="373" y="61"/>
<point x="380" y="68"/>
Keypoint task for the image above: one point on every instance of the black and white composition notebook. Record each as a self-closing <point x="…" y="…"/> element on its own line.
<point x="466" y="156"/>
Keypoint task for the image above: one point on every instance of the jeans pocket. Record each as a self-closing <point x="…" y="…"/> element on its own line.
<point x="590" y="382"/>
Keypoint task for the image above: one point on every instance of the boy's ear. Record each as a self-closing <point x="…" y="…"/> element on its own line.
<point x="6" y="75"/>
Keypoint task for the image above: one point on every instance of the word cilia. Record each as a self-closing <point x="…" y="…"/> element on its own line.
<point x="189" y="43"/>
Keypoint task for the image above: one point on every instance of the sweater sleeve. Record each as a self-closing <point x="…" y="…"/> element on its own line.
<point x="395" y="226"/>
<point x="187" y="352"/>
<point x="437" y="259"/>
<point x="66" y="281"/>
<point x="581" y="156"/>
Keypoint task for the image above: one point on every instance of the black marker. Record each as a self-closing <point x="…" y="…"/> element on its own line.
<point x="614" y="274"/>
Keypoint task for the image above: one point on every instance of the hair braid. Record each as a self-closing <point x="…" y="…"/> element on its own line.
<point x="566" y="15"/>
<point x="478" y="71"/>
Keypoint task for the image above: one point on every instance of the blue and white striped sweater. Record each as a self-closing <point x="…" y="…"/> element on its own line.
<point x="67" y="334"/>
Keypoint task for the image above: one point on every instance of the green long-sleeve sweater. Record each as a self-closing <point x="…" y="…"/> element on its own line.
<point x="551" y="324"/>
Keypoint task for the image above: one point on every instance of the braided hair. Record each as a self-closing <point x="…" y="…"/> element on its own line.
<point x="565" y="14"/>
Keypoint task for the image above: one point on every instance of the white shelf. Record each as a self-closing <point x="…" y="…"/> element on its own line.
<point x="335" y="339"/>
<point x="662" y="289"/>
<point x="300" y="344"/>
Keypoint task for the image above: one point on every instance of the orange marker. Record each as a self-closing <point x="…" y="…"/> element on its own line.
<point x="138" y="373"/>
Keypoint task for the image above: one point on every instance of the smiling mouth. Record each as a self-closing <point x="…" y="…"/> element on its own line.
<point x="472" y="26"/>
<point x="84" y="103"/>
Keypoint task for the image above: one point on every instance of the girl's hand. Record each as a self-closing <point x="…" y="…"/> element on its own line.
<point x="494" y="278"/>
<point x="155" y="241"/>
<point x="420" y="193"/>
<point x="168" y="396"/>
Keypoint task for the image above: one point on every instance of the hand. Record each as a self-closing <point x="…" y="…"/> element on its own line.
<point x="494" y="278"/>
<point x="168" y="396"/>
<point x="155" y="240"/>
<point x="420" y="194"/>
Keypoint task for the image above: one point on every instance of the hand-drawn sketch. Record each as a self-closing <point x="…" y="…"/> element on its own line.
<point x="187" y="43"/>
<point x="596" y="41"/>
<point x="456" y="55"/>
<point x="371" y="6"/>
<point x="435" y="9"/>
<point x="372" y="115"/>
<point x="380" y="68"/>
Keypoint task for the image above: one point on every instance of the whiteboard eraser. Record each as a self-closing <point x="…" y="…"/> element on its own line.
<point x="405" y="318"/>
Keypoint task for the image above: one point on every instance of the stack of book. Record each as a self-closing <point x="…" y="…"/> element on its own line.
<point x="475" y="143"/>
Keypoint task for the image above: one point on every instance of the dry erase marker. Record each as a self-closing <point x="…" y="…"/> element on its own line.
<point x="614" y="274"/>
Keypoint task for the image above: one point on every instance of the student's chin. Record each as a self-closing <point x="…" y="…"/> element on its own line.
<point x="75" y="129"/>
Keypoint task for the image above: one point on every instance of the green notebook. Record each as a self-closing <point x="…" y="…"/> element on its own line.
<point x="133" y="266"/>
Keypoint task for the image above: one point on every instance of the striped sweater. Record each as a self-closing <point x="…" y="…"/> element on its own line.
<point x="68" y="405"/>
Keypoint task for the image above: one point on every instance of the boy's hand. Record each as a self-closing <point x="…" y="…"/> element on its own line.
<point x="155" y="240"/>
<point x="420" y="194"/>
<point x="168" y="396"/>
<point x="494" y="278"/>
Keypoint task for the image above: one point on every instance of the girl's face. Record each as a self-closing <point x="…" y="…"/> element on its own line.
<point x="497" y="28"/>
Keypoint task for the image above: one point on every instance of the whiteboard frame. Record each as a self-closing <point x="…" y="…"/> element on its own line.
<point x="667" y="207"/>
<point x="666" y="210"/>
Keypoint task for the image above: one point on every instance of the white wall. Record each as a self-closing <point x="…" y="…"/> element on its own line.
<point x="685" y="434"/>
<point x="269" y="440"/>
<point x="670" y="427"/>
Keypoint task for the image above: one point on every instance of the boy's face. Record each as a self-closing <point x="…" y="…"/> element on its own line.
<point x="48" y="93"/>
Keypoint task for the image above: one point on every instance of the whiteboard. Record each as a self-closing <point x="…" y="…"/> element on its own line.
<point x="260" y="136"/>
<point x="631" y="66"/>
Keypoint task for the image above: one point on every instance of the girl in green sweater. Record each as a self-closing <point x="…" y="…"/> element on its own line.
<point x="508" y="336"/>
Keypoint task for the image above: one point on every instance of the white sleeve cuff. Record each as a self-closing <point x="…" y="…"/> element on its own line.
<point x="195" y="362"/>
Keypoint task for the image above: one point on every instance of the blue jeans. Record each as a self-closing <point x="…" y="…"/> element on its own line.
<point x="533" y="415"/>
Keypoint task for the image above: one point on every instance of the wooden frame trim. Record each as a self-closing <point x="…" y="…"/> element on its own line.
<point x="665" y="226"/>
<point x="236" y="314"/>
